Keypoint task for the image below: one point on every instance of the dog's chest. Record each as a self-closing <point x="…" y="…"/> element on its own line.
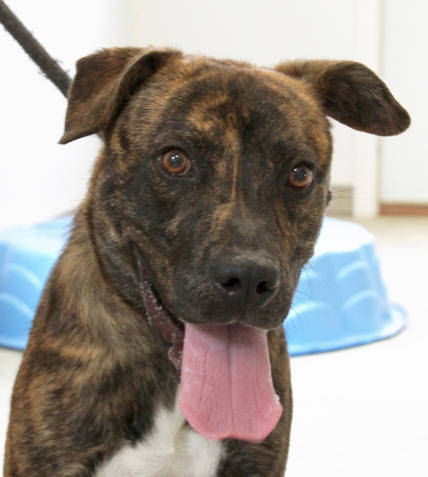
<point x="170" y="450"/>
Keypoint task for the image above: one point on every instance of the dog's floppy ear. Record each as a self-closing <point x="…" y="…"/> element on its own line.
<point x="103" y="82"/>
<point x="352" y="94"/>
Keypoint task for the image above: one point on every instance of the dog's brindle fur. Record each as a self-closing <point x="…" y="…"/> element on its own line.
<point x="95" y="371"/>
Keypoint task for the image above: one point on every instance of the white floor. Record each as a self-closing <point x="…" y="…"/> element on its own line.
<point x="363" y="411"/>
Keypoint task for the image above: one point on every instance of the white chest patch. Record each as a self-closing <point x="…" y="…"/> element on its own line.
<point x="169" y="450"/>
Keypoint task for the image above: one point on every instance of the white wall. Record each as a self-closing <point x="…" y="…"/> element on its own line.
<point x="404" y="175"/>
<point x="38" y="177"/>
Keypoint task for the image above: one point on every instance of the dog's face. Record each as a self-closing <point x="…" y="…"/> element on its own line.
<point x="215" y="175"/>
<point x="224" y="188"/>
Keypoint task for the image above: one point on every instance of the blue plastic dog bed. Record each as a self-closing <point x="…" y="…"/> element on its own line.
<point x="340" y="301"/>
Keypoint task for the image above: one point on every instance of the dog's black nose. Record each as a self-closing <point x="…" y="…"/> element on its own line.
<point x="245" y="282"/>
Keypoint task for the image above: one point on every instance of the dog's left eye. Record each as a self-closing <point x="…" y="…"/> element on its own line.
<point x="301" y="176"/>
<point x="176" y="163"/>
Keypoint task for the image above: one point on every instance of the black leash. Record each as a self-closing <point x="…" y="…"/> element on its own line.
<point x="34" y="49"/>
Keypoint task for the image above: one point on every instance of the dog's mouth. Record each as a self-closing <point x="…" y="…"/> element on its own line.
<point x="226" y="388"/>
<point x="163" y="322"/>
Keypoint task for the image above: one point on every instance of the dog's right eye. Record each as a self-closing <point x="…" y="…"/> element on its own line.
<point x="175" y="163"/>
<point x="301" y="176"/>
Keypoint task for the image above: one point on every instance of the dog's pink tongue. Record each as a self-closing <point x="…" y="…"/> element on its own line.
<point x="226" y="385"/>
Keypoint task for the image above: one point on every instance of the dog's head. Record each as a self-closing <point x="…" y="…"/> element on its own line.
<point x="215" y="174"/>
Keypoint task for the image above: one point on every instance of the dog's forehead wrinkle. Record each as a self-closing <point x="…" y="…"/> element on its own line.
<point x="212" y="87"/>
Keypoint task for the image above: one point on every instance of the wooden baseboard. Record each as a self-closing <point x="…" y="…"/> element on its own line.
<point x="403" y="209"/>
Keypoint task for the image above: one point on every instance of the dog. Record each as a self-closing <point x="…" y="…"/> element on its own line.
<point x="158" y="348"/>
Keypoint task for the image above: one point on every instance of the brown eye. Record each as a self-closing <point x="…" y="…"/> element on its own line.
<point x="176" y="163"/>
<point x="301" y="176"/>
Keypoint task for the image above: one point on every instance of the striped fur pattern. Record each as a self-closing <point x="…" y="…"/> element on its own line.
<point x="95" y="371"/>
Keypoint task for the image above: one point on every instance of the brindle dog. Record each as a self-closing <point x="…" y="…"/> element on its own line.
<point x="204" y="204"/>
